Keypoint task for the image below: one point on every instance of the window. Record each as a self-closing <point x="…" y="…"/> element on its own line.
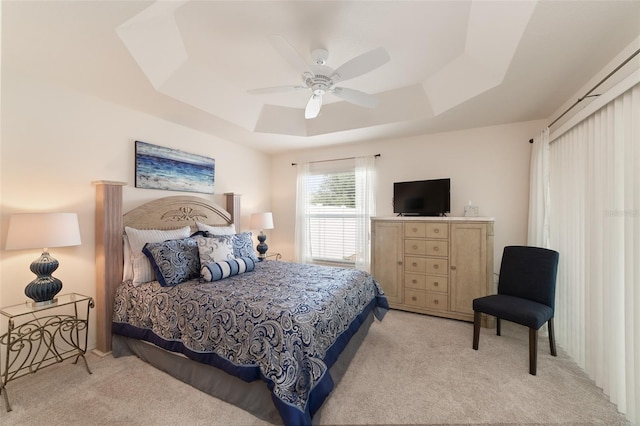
<point x="335" y="203"/>
<point x="332" y="216"/>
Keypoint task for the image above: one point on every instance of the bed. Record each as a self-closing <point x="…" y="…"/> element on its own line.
<point x="273" y="338"/>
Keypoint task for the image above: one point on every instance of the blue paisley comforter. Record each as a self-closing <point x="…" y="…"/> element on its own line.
<point x="285" y="323"/>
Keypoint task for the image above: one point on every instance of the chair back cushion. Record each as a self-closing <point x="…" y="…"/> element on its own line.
<point x="529" y="273"/>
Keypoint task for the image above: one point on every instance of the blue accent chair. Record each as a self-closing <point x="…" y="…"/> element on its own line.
<point x="526" y="295"/>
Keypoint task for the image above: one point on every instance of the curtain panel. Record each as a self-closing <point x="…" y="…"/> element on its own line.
<point x="302" y="247"/>
<point x="366" y="209"/>
<point x="594" y="176"/>
<point x="539" y="198"/>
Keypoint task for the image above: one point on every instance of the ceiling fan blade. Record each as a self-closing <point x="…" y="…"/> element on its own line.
<point x="275" y="89"/>
<point x="313" y="107"/>
<point x="361" y="64"/>
<point x="356" y="97"/>
<point x="290" y="53"/>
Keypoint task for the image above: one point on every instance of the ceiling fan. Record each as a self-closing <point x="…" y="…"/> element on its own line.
<point x="321" y="79"/>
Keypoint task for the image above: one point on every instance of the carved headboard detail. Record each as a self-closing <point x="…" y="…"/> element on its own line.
<point x="176" y="212"/>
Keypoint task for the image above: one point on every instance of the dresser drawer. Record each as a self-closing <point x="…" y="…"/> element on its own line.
<point x="436" y="301"/>
<point x="437" y="230"/>
<point x="415" y="281"/>
<point x="415" y="298"/>
<point x="436" y="248"/>
<point x="436" y="266"/>
<point x="415" y="229"/>
<point x="415" y="247"/>
<point x="426" y="265"/>
<point x="426" y="299"/>
<point x="436" y="283"/>
<point x="426" y="230"/>
<point x="415" y="264"/>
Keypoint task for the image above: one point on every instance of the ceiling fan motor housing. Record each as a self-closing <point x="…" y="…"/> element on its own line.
<point x="320" y="82"/>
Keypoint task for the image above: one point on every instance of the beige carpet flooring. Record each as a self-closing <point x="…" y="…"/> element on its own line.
<point x="411" y="369"/>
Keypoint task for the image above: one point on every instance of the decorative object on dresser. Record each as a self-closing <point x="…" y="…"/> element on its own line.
<point x="262" y="221"/>
<point x="43" y="230"/>
<point x="526" y="295"/>
<point x="434" y="266"/>
<point x="158" y="167"/>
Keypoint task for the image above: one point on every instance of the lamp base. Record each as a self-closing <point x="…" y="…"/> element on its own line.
<point x="262" y="247"/>
<point x="44" y="303"/>
<point x="43" y="289"/>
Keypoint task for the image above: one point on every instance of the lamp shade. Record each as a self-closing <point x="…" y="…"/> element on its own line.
<point x="262" y="221"/>
<point x="42" y="230"/>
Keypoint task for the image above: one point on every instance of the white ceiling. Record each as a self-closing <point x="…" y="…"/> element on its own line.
<point x="454" y="64"/>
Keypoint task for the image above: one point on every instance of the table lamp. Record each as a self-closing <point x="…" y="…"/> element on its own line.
<point x="262" y="221"/>
<point x="43" y="230"/>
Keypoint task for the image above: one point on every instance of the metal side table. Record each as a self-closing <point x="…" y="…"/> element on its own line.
<point x="40" y="336"/>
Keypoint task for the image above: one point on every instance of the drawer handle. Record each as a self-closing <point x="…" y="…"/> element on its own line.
<point x="436" y="301"/>
<point x="453" y="268"/>
<point x="414" y="264"/>
<point x="436" y="231"/>
<point x="414" y="298"/>
<point x="435" y="283"/>
<point x="436" y="248"/>
<point x="415" y="229"/>
<point x="414" y="281"/>
<point x="436" y="266"/>
<point x="415" y="247"/>
<point x="399" y="262"/>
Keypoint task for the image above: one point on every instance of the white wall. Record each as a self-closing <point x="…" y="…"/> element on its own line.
<point x="55" y="142"/>
<point x="487" y="165"/>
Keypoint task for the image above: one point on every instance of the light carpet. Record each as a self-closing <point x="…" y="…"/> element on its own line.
<point x="411" y="369"/>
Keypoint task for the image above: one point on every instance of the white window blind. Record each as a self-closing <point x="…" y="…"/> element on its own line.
<point x="331" y="217"/>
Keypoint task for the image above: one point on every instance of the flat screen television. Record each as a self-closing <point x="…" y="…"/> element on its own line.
<point x="422" y="197"/>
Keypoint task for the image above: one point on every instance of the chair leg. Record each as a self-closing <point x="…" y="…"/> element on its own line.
<point x="476" y="329"/>
<point x="533" y="350"/>
<point x="498" y="326"/>
<point x="552" y="339"/>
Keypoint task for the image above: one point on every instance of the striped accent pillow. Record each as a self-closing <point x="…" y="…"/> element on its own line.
<point x="216" y="271"/>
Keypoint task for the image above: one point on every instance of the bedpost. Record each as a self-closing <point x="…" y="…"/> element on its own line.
<point x="233" y="207"/>
<point x="108" y="251"/>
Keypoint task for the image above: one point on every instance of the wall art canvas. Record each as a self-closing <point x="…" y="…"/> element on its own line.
<point x="158" y="167"/>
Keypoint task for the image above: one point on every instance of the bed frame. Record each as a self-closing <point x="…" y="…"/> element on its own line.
<point x="164" y="213"/>
<point x="169" y="213"/>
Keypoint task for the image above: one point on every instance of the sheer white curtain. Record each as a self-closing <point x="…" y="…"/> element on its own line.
<point x="303" y="247"/>
<point x="595" y="225"/>
<point x="365" y="210"/>
<point x="539" y="199"/>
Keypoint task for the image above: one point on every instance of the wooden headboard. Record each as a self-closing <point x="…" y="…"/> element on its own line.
<point x="164" y="213"/>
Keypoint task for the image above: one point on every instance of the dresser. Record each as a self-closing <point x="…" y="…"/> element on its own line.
<point x="434" y="265"/>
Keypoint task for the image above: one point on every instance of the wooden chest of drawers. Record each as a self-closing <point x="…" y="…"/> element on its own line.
<point x="434" y="266"/>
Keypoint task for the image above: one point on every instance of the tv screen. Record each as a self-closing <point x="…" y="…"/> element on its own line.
<point x="422" y="197"/>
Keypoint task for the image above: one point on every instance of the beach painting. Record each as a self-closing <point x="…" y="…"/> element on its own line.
<point x="158" y="167"/>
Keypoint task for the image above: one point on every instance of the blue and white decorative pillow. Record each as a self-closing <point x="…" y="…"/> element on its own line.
<point x="219" y="270"/>
<point x="243" y="246"/>
<point x="141" y="267"/>
<point x="214" y="248"/>
<point x="174" y="261"/>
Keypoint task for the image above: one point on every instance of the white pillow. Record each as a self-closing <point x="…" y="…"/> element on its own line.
<point x="214" y="249"/>
<point x="142" y="269"/>
<point x="217" y="230"/>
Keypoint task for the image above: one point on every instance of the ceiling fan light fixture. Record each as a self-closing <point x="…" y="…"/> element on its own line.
<point x="313" y="107"/>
